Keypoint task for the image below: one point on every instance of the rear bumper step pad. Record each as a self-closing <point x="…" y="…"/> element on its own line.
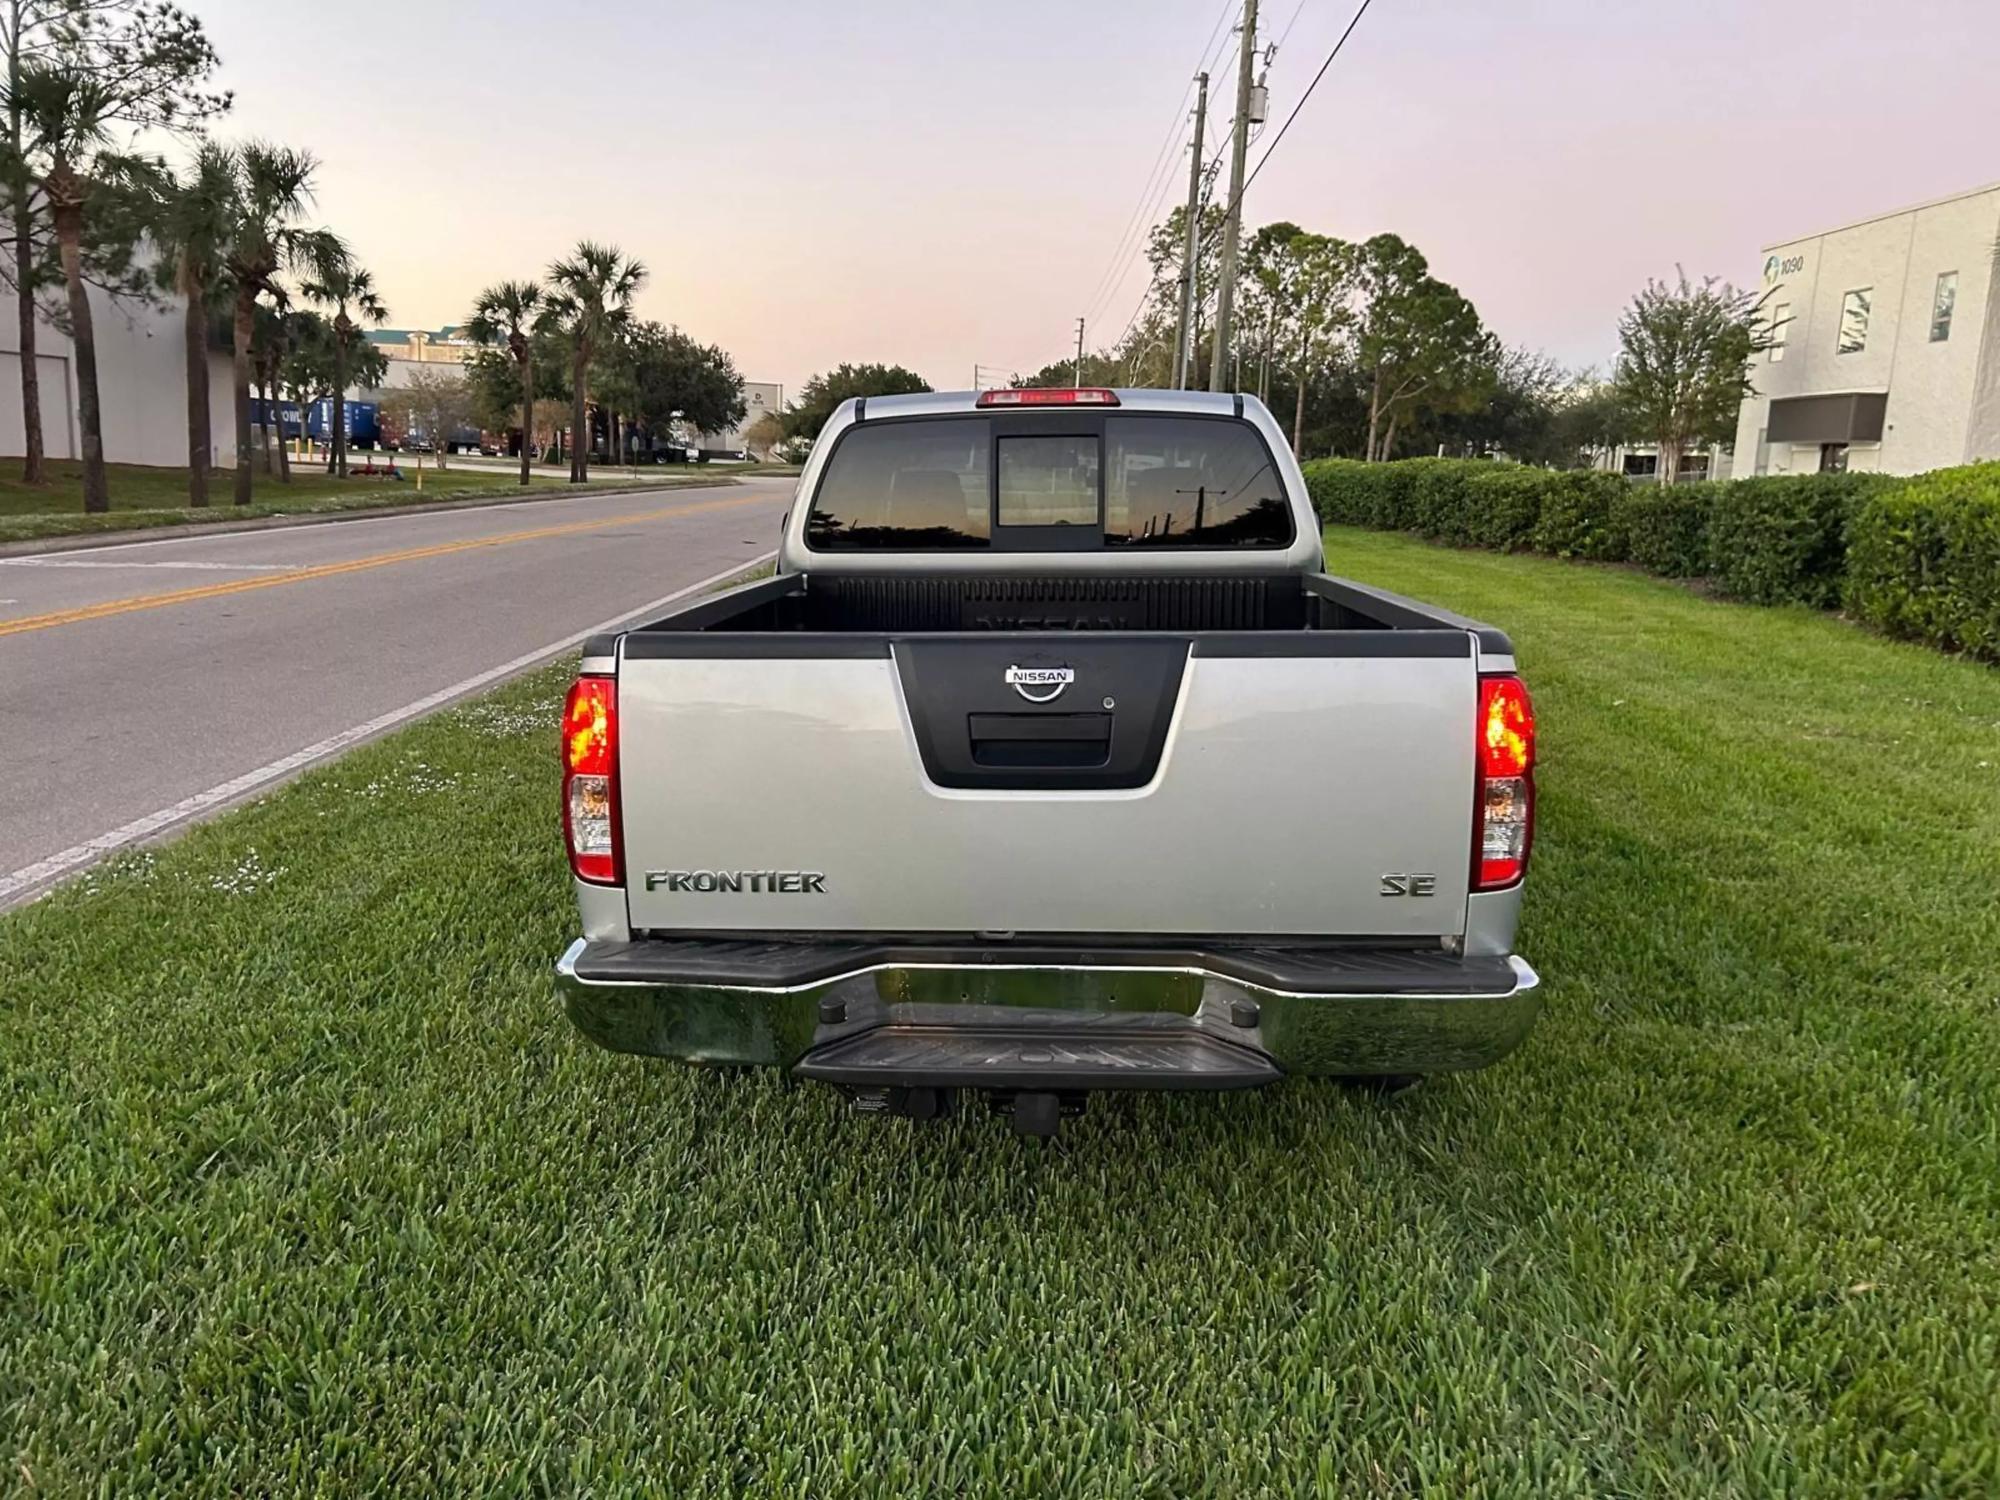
<point x="998" y="1057"/>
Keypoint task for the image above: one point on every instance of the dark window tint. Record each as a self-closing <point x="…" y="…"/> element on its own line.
<point x="933" y="483"/>
<point x="1180" y="482"/>
<point x="919" y="485"/>
<point x="1048" y="481"/>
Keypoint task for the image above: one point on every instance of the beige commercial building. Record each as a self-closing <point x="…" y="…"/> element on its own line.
<point x="1886" y="345"/>
<point x="759" y="397"/>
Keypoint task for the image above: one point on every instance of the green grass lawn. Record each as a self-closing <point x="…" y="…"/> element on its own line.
<point x="142" y="496"/>
<point x="307" y="1186"/>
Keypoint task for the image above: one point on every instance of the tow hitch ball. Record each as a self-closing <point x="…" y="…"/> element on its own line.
<point x="1030" y="1113"/>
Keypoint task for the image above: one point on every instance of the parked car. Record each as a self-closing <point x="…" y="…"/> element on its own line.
<point x="1051" y="761"/>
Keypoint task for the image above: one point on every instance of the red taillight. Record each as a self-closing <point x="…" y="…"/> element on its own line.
<point x="1503" y="809"/>
<point x="1051" y="396"/>
<point x="590" y="780"/>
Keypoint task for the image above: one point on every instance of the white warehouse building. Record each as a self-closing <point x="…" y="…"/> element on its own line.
<point x="1886" y="345"/>
<point x="141" y="384"/>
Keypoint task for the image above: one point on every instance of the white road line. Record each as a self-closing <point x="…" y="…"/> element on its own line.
<point x="640" y="493"/>
<point x="63" y="560"/>
<point x="43" y="871"/>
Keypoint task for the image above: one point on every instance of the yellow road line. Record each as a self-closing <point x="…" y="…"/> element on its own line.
<point x="356" y="565"/>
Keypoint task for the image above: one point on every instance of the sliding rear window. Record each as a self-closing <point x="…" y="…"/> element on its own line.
<point x="1072" y="480"/>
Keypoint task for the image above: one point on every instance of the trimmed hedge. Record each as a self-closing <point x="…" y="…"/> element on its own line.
<point x="1923" y="559"/>
<point x="1664" y="527"/>
<point x="1919" y="558"/>
<point x="1784" y="540"/>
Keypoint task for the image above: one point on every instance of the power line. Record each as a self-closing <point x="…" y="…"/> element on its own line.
<point x="1218" y="39"/>
<point x="1252" y="176"/>
<point x="1210" y="176"/>
<point x="1115" y="268"/>
<point x="1209" y="168"/>
<point x="1108" y="277"/>
<point x="1277" y="139"/>
<point x="1279" y="46"/>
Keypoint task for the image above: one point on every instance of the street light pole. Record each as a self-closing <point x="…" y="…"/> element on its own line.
<point x="1232" y="224"/>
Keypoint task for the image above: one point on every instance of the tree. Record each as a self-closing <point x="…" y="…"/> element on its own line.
<point x="341" y="284"/>
<point x="150" y="61"/>
<point x="594" y="287"/>
<point x="667" y="374"/>
<point x="311" y="364"/>
<point x="763" y="436"/>
<point x="1098" y="369"/>
<point x="507" y="313"/>
<point x="191" y="229"/>
<point x="1257" y="305"/>
<point x="273" y="187"/>
<point x="1590" y="418"/>
<point x="67" y="114"/>
<point x="1518" y="417"/>
<point x="436" y="404"/>
<point x="1419" y="344"/>
<point x="1299" y="303"/>
<point x="819" y="396"/>
<point x="1684" y="362"/>
<point x="271" y="346"/>
<point x="1162" y="307"/>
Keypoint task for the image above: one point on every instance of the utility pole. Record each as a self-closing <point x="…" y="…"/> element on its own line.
<point x="1079" y="352"/>
<point x="1184" y="337"/>
<point x="1232" y="225"/>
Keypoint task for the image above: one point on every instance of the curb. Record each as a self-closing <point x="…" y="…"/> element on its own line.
<point x="83" y="541"/>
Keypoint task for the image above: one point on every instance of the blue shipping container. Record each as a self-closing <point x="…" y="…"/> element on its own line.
<point x="364" y="420"/>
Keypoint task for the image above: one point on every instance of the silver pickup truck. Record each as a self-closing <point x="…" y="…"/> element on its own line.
<point x="1051" y="761"/>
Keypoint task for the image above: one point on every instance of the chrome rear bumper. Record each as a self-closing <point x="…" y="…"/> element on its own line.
<point x="1190" y="1019"/>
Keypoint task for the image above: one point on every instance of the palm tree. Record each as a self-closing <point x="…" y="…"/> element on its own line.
<point x="508" y="313"/>
<point x="594" y="287"/>
<point x="342" y="284"/>
<point x="270" y="347"/>
<point x="191" y="227"/>
<point x="66" y="113"/>
<point x="273" y="187"/>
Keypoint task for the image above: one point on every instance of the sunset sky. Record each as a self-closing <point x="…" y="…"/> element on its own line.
<point x="942" y="183"/>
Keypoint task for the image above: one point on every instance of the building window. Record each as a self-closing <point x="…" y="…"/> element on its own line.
<point x="1833" y="458"/>
<point x="1854" y="320"/>
<point x="1943" y="300"/>
<point x="1781" y="329"/>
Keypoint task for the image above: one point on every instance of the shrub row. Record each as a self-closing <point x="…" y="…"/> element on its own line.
<point x="1919" y="558"/>
<point x="1923" y="560"/>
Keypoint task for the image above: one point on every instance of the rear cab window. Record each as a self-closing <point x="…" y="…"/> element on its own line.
<point x="1050" y="480"/>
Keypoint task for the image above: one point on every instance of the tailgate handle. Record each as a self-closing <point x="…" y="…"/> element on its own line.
<point x="1055" y="740"/>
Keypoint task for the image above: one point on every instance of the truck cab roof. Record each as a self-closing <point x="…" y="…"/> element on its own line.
<point x="1129" y="399"/>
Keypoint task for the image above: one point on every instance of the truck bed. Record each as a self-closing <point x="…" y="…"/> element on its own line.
<point x="793" y="605"/>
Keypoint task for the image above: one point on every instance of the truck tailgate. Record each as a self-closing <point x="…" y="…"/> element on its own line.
<point x="1223" y="785"/>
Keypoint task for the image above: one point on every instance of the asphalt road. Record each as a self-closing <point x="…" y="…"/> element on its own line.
<point x="146" y="684"/>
